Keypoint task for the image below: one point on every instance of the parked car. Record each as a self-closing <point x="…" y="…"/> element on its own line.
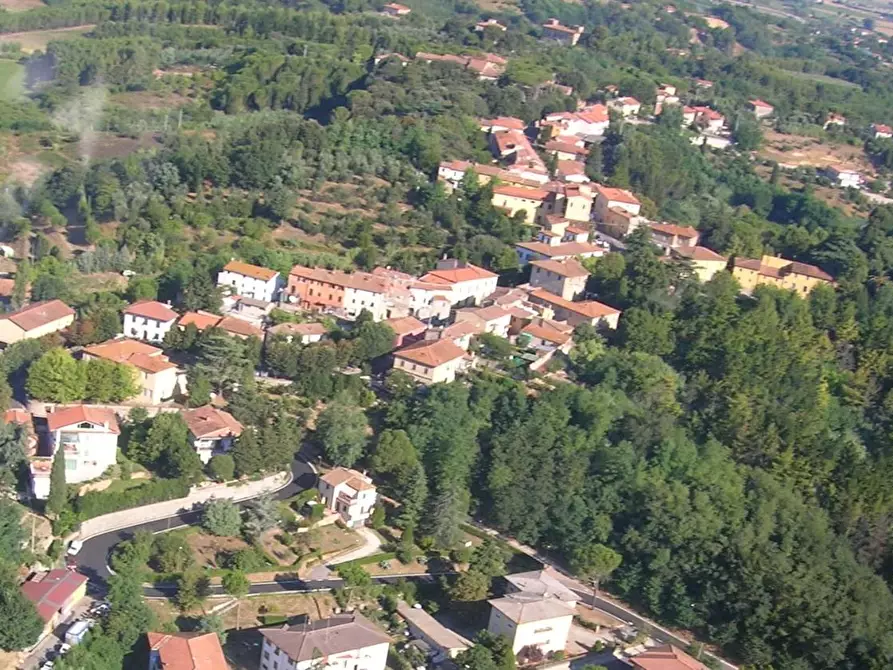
<point x="75" y="547"/>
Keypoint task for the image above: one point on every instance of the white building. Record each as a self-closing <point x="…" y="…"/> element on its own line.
<point x="843" y="177"/>
<point x="493" y="319"/>
<point x="468" y="283"/>
<point x="625" y="106"/>
<point x="350" y="493"/>
<point x="881" y="131"/>
<point x="250" y="281"/>
<point x="343" y="642"/>
<point x="607" y="198"/>
<point x="148" y="320"/>
<point x="211" y="431"/>
<point x="535" y="614"/>
<point x="88" y="436"/>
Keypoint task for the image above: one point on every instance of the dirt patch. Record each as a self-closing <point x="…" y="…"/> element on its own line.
<point x="799" y="151"/>
<point x="102" y="146"/>
<point x="20" y="6"/>
<point x="280" y="552"/>
<point x="149" y="100"/>
<point x="26" y="172"/>
<point x="332" y="538"/>
<point x="37" y="40"/>
<point x="206" y="547"/>
<point x="315" y="607"/>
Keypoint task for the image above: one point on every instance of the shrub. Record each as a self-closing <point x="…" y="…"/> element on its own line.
<point x="96" y="503"/>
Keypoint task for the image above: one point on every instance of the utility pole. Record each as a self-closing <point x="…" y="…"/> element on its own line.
<point x="180" y="119"/>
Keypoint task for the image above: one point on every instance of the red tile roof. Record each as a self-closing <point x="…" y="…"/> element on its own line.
<point x="468" y="272"/>
<point x="359" y="281"/>
<point x="139" y="354"/>
<point x="550" y="331"/>
<point x="210" y="422"/>
<point x="561" y="250"/>
<point x="52" y="591"/>
<point x="674" y="229"/>
<point x="566" y="147"/>
<point x="590" y="308"/>
<point x="569" y="267"/>
<point x="200" y="320"/>
<point x="699" y="254"/>
<point x="616" y="195"/>
<point x="666" y="657"/>
<point x="63" y="417"/>
<point x="249" y="270"/>
<point x="39" y="314"/>
<point x="761" y="103"/>
<point x="152" y="309"/>
<point x="431" y="353"/>
<point x="188" y="651"/>
<point x="235" y="326"/>
<point x="406" y="325"/>
<point x="521" y="192"/>
<point x="299" y="329"/>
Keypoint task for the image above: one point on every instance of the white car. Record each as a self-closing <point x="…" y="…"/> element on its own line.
<point x="64" y="648"/>
<point x="75" y="547"/>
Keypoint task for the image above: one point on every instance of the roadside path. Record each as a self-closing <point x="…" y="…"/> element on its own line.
<point x="371" y="545"/>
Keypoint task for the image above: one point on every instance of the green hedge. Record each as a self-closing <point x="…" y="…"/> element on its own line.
<point x="97" y="503"/>
<point x="367" y="560"/>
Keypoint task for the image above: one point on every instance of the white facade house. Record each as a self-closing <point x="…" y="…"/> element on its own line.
<point x="211" y="431"/>
<point x="343" y="642"/>
<point x="148" y="320"/>
<point x="350" y="493"/>
<point x="371" y="298"/>
<point x="493" y="319"/>
<point x="250" y="281"/>
<point x="88" y="436"/>
<point x="535" y="614"/>
<point x="467" y="283"/>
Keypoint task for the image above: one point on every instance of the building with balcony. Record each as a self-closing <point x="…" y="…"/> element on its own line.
<point x="349" y="493"/>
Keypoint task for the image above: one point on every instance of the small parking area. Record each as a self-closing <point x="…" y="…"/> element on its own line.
<point x="47" y="648"/>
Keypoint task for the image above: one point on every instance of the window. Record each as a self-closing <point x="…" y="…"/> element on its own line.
<point x="267" y="655"/>
<point x="85" y="424"/>
<point x="542" y="630"/>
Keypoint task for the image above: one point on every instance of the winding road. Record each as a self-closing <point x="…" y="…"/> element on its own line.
<point x="92" y="561"/>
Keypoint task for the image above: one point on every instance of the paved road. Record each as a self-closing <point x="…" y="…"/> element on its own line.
<point x="92" y="560"/>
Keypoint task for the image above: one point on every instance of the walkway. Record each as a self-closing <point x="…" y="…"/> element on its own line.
<point x="371" y="545"/>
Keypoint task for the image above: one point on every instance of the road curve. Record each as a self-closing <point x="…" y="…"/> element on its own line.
<point x="92" y="559"/>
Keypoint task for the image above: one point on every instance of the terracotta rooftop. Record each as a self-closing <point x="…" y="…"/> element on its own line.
<point x="406" y="325"/>
<point x="355" y="480"/>
<point x="39" y="314"/>
<point x="548" y="331"/>
<point x="566" y="146"/>
<point x="327" y="637"/>
<point x="521" y="192"/>
<point x="666" y="657"/>
<point x="360" y="281"/>
<point x="210" y="422"/>
<point x="467" y="272"/>
<point x="299" y="329"/>
<point x="569" y="267"/>
<point x="139" y="354"/>
<point x="200" y="320"/>
<point x="590" y="308"/>
<point x="674" y="229"/>
<point x="52" y="591"/>
<point x="431" y="353"/>
<point x="7" y="286"/>
<point x="699" y="254"/>
<point x="761" y="103"/>
<point x="151" y="309"/>
<point x="188" y="651"/>
<point x="236" y="326"/>
<point x="248" y="270"/>
<point x="63" y="417"/>
<point x="616" y="195"/>
<point x="565" y="250"/>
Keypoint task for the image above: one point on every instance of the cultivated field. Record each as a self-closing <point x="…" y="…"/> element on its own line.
<point x="799" y="151"/>
<point x="12" y="80"/>
<point x="37" y="40"/>
<point x="20" y="5"/>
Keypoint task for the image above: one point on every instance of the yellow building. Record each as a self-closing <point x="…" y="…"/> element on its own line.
<point x="775" y="271"/>
<point x="704" y="262"/>
<point x="514" y="199"/>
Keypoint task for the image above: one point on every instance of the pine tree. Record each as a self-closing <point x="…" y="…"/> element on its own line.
<point x="247" y="454"/>
<point x="58" y="497"/>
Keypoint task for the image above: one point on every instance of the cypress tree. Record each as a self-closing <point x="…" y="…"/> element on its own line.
<point x="58" y="497"/>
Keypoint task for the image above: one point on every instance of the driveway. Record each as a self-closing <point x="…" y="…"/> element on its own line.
<point x="371" y="545"/>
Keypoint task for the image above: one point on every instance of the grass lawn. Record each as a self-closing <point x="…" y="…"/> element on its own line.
<point x="12" y="80"/>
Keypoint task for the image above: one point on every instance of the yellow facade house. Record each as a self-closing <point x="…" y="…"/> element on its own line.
<point x="781" y="272"/>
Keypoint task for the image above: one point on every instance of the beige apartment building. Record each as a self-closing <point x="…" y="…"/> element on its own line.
<point x="156" y="375"/>
<point x="565" y="278"/>
<point x="431" y="361"/>
<point x="35" y="320"/>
